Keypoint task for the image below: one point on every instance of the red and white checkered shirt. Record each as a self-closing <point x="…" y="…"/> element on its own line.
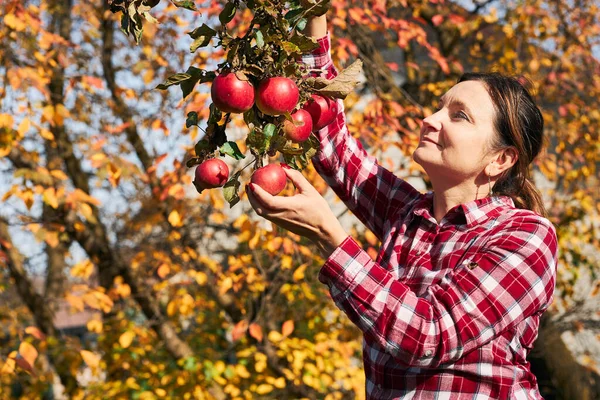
<point x="449" y="310"/>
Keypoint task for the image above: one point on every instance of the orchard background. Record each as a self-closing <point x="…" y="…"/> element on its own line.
<point x="119" y="280"/>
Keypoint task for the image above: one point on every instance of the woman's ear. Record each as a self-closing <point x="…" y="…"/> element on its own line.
<point x="503" y="161"/>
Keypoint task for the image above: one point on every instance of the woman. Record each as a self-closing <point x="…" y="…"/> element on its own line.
<point x="451" y="306"/>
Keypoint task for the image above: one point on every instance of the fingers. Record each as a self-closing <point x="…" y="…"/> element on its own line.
<point x="301" y="183"/>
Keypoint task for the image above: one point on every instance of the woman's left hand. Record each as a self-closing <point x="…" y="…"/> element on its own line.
<point x="305" y="213"/>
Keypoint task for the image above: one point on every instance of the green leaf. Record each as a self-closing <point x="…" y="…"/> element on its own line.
<point x="190" y="364"/>
<point x="192" y="119"/>
<point x="193" y="161"/>
<point x="293" y="14"/>
<point x="260" y="40"/>
<point x="301" y="24"/>
<point x="305" y="43"/>
<point x="227" y="13"/>
<point x="196" y="75"/>
<point x="232" y="149"/>
<point x="202" y="37"/>
<point x="321" y="7"/>
<point x="203" y="146"/>
<point x="187" y="4"/>
<point x="230" y="189"/>
<point x="174" y="80"/>
<point x="269" y="130"/>
<point x="290" y="48"/>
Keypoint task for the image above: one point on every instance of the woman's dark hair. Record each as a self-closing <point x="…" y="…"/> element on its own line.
<point x="519" y="123"/>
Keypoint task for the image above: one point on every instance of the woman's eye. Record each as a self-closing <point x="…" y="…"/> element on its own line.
<point x="461" y="115"/>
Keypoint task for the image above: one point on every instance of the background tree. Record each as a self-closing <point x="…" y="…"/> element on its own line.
<point x="200" y="300"/>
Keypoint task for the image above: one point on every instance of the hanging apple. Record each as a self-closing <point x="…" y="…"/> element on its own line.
<point x="211" y="174"/>
<point x="231" y="94"/>
<point x="300" y="128"/>
<point x="277" y="95"/>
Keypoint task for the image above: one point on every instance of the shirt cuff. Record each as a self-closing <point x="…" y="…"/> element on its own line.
<point x="344" y="265"/>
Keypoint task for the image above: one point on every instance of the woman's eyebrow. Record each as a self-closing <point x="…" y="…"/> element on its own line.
<point x="459" y="103"/>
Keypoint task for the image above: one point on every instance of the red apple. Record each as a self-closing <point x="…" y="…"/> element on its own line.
<point x="323" y="110"/>
<point x="301" y="128"/>
<point x="271" y="178"/>
<point x="232" y="95"/>
<point x="277" y="95"/>
<point x="211" y="174"/>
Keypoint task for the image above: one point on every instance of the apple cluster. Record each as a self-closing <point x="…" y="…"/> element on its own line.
<point x="273" y="96"/>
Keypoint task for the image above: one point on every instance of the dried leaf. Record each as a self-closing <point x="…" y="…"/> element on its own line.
<point x="343" y="84"/>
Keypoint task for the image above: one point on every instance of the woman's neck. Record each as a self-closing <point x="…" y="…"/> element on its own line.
<point x="447" y="198"/>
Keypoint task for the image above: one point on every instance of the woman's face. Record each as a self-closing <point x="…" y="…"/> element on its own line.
<point x="454" y="141"/>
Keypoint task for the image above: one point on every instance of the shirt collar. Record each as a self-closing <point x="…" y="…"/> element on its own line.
<point x="471" y="213"/>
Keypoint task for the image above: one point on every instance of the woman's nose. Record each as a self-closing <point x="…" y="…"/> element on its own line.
<point x="433" y="121"/>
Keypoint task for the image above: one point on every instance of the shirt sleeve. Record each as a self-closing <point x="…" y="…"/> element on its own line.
<point x="513" y="280"/>
<point x="370" y="191"/>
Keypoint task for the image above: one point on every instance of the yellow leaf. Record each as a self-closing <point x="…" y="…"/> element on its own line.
<point x="200" y="278"/>
<point x="279" y="382"/>
<point x="287" y="328"/>
<point x="48" y="114"/>
<point x="28" y="352"/>
<point x="104" y="301"/>
<point x="51" y="237"/>
<point x="371" y="238"/>
<point x="171" y="308"/>
<point x="35" y="332"/>
<point x="124" y="290"/>
<point x="87" y="212"/>
<point x="58" y="174"/>
<point x="114" y="174"/>
<point x="225" y="285"/>
<point x="8" y="367"/>
<point x="241" y="371"/>
<point x="27" y="197"/>
<point x="76" y="302"/>
<point x="175" y="219"/>
<point x="126" y="338"/>
<point x="6" y="121"/>
<point x="82" y="269"/>
<point x="46" y="134"/>
<point x="15" y="23"/>
<point x="286" y="262"/>
<point x="274" y="336"/>
<point x="91" y="359"/>
<point x="50" y="198"/>
<point x="23" y="127"/>
<point x="264" y="388"/>
<point x="163" y="270"/>
<point x="95" y="326"/>
<point x="252" y="243"/>
<point x="299" y="272"/>
<point x="60" y="113"/>
<point x="148" y="76"/>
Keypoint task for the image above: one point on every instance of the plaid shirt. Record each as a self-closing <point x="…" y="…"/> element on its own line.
<point x="448" y="310"/>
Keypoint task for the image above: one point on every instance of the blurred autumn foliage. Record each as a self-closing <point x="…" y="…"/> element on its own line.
<point x="179" y="296"/>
